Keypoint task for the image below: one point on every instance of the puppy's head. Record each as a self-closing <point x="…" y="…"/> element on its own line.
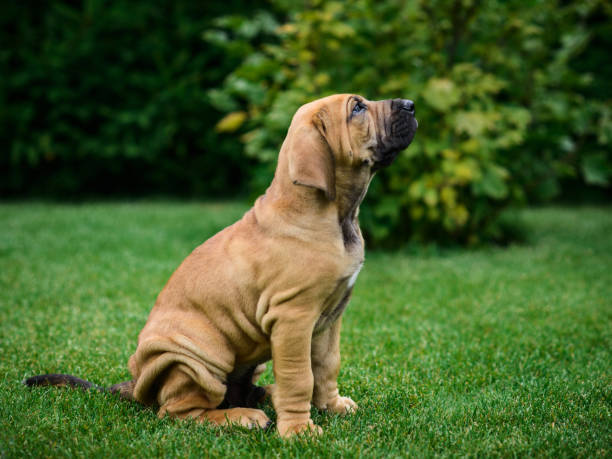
<point x="337" y="143"/>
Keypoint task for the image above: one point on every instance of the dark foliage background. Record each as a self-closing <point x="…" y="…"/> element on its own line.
<point x="193" y="98"/>
<point x="106" y="98"/>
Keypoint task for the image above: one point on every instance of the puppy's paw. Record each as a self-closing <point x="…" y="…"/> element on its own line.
<point x="288" y="429"/>
<point x="341" y="405"/>
<point x="245" y="417"/>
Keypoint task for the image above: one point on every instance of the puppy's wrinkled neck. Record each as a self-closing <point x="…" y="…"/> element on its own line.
<point x="308" y="209"/>
<point x="302" y="207"/>
<point x="349" y="199"/>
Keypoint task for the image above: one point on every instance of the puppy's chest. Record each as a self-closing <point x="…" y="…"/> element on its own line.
<point x="339" y="299"/>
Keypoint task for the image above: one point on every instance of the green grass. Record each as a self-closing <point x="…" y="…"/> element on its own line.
<point x="480" y="353"/>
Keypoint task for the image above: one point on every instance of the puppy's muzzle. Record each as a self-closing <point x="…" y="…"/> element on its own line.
<point x="400" y="128"/>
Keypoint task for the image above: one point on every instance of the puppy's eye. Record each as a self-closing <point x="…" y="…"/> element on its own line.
<point x="359" y="108"/>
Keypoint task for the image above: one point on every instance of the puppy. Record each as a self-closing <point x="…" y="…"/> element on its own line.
<point x="272" y="285"/>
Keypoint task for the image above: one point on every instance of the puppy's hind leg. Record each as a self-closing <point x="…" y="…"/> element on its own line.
<point x="242" y="391"/>
<point x="181" y="397"/>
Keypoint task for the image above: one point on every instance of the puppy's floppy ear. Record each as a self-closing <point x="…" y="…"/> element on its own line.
<point x="311" y="162"/>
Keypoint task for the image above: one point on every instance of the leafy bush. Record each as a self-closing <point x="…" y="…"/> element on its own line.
<point x="503" y="94"/>
<point x="111" y="97"/>
<point x="513" y="99"/>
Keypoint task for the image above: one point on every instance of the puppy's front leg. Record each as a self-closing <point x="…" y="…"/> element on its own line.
<point x="291" y="343"/>
<point x="325" y="368"/>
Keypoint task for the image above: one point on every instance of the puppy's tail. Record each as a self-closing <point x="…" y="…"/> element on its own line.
<point x="124" y="389"/>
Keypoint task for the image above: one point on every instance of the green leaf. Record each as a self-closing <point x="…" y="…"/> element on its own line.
<point x="597" y="169"/>
<point x="231" y="122"/>
<point x="441" y="94"/>
<point x="492" y="184"/>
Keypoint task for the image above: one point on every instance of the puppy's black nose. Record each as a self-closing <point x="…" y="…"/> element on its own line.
<point x="407" y="105"/>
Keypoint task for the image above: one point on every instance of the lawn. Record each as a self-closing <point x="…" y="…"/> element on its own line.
<point x="486" y="352"/>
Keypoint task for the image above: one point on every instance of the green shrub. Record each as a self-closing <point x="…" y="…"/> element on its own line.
<point x="504" y="108"/>
<point x="513" y="99"/>
<point x="111" y="97"/>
